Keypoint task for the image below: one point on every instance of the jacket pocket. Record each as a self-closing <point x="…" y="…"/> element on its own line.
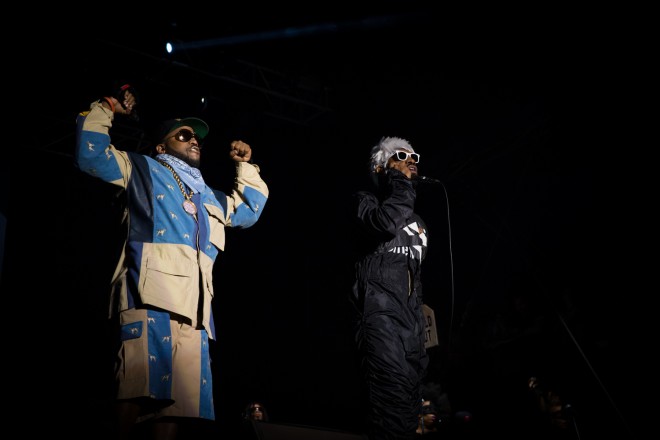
<point x="170" y="281"/>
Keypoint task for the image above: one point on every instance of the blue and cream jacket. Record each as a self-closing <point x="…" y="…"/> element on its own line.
<point x="168" y="254"/>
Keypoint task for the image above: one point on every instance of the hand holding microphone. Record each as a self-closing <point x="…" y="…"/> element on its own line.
<point x="127" y="98"/>
<point x="122" y="101"/>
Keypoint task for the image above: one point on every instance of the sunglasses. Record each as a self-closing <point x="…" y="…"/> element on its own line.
<point x="403" y="155"/>
<point x="184" y="135"/>
<point x="429" y="409"/>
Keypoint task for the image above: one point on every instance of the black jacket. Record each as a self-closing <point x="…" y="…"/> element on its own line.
<point x="391" y="243"/>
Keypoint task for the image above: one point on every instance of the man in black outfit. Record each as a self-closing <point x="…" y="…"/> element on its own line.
<point x="387" y="292"/>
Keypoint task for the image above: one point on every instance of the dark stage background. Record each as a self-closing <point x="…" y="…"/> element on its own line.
<point x="514" y="122"/>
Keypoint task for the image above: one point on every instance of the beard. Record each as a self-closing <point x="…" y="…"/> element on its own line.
<point x="184" y="157"/>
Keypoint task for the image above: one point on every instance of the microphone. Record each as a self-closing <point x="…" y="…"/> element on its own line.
<point x="427" y="179"/>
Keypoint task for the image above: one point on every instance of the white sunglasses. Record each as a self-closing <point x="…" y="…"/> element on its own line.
<point x="404" y="155"/>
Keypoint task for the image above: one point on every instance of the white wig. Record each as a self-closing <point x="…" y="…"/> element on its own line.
<point x="386" y="148"/>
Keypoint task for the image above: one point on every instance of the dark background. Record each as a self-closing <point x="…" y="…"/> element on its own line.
<point x="516" y="118"/>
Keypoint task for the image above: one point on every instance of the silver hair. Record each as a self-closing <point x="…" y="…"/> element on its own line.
<point x="385" y="149"/>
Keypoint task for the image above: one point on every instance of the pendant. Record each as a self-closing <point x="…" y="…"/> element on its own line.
<point x="189" y="207"/>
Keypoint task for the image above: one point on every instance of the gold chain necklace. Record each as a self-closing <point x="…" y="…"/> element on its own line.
<point x="188" y="204"/>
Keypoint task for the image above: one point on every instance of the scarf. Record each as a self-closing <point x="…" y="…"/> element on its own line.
<point x="189" y="175"/>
